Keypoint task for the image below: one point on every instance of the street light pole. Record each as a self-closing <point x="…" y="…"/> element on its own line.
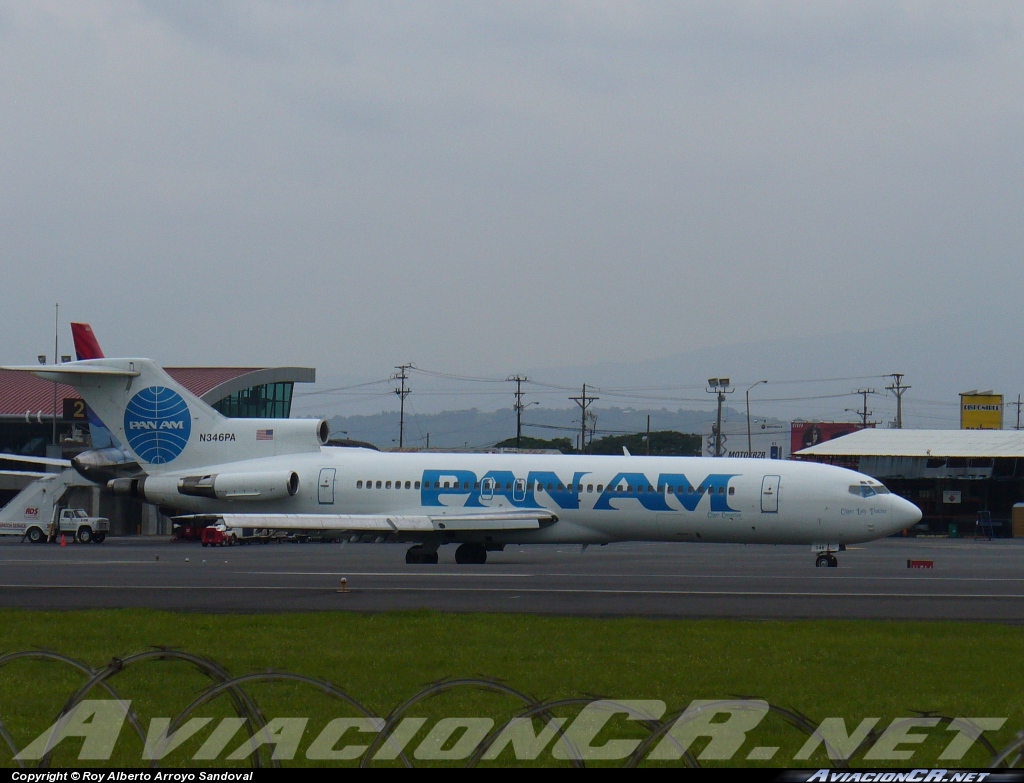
<point x="750" y="440"/>
<point x="56" y="359"/>
<point x="719" y="386"/>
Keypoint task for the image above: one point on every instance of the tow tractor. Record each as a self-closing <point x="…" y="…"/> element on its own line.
<point x="218" y="535"/>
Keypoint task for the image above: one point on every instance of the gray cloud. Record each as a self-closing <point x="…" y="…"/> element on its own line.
<point x="487" y="186"/>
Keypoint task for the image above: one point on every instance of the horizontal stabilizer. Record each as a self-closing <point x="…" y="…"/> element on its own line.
<point x="53" y="372"/>
<point x="387" y="523"/>
<point x="60" y="463"/>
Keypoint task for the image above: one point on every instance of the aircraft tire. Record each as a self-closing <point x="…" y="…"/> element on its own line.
<point x="471" y="554"/>
<point x="822" y="562"/>
<point x="35" y="535"/>
<point x="417" y="556"/>
<point x="833" y="561"/>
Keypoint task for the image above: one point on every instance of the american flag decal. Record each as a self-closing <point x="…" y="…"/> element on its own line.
<point x="264" y="434"/>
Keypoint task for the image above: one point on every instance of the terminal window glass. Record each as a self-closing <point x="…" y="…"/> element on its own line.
<point x="265" y="401"/>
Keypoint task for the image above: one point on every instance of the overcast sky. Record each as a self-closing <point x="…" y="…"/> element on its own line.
<point x="484" y="187"/>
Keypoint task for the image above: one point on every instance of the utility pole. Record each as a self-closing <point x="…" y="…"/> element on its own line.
<point x="719" y="386"/>
<point x="519" y="406"/>
<point x="402" y="391"/>
<point x="898" y="389"/>
<point x="584" y="402"/>
<point x="864" y="412"/>
<point x="648" y="434"/>
<point x="1018" y="404"/>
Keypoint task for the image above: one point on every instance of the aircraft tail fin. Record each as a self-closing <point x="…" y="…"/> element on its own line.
<point x="88" y="347"/>
<point x="166" y="427"/>
<point x="86" y="344"/>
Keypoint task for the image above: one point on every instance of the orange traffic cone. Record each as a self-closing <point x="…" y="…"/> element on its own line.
<point x="63" y="540"/>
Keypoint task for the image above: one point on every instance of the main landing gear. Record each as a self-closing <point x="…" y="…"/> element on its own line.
<point x="826" y="560"/>
<point x="471" y="554"/>
<point x="417" y="555"/>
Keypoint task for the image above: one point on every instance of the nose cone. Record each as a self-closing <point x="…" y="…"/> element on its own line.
<point x="904" y="513"/>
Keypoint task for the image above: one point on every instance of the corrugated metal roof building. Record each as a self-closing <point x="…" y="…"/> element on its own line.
<point x="951" y="474"/>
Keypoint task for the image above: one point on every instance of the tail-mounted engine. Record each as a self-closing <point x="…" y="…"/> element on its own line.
<point x="251" y="486"/>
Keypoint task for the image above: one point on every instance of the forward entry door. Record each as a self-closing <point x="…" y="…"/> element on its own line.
<point x="770" y="494"/>
<point x="327" y="486"/>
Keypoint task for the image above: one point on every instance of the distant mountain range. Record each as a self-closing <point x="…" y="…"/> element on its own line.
<point x="477" y="429"/>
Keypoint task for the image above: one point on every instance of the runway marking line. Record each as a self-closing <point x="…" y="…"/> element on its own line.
<point x="582" y="591"/>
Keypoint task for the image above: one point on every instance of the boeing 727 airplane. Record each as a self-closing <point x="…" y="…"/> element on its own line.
<point x="278" y="474"/>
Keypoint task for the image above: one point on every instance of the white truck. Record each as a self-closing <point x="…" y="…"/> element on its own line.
<point x="35" y="513"/>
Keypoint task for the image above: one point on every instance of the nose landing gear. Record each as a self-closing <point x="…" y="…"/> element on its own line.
<point x="826" y="560"/>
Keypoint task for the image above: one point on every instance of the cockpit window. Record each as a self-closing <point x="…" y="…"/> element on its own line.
<point x="866" y="490"/>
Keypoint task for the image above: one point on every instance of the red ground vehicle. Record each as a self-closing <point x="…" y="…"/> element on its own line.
<point x="218" y="535"/>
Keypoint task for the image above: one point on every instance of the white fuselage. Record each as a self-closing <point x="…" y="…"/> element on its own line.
<point x="597" y="499"/>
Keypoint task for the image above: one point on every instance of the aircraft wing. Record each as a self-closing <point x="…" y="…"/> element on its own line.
<point x="389" y="523"/>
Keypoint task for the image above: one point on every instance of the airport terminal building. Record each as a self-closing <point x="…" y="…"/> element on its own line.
<point x="44" y="419"/>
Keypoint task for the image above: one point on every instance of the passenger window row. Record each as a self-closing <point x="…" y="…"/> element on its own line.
<point x="538" y="487"/>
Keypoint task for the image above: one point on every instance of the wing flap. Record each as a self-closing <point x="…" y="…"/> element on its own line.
<point x="390" y="523"/>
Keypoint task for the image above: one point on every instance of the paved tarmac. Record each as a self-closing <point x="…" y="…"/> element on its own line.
<point x="970" y="580"/>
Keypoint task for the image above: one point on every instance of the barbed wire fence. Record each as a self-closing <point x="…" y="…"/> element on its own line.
<point x="245" y="707"/>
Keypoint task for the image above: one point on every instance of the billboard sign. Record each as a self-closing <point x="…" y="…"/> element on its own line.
<point x="981" y="411"/>
<point x="804" y="434"/>
<point x="766" y="442"/>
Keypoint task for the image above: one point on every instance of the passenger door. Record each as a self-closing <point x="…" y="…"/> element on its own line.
<point x="326" y="486"/>
<point x="770" y="494"/>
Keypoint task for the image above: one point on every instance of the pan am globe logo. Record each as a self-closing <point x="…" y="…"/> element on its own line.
<point x="157" y="424"/>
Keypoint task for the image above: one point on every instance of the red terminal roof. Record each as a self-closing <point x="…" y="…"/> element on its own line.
<point x="22" y="392"/>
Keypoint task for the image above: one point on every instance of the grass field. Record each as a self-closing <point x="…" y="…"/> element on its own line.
<point x="848" y="669"/>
